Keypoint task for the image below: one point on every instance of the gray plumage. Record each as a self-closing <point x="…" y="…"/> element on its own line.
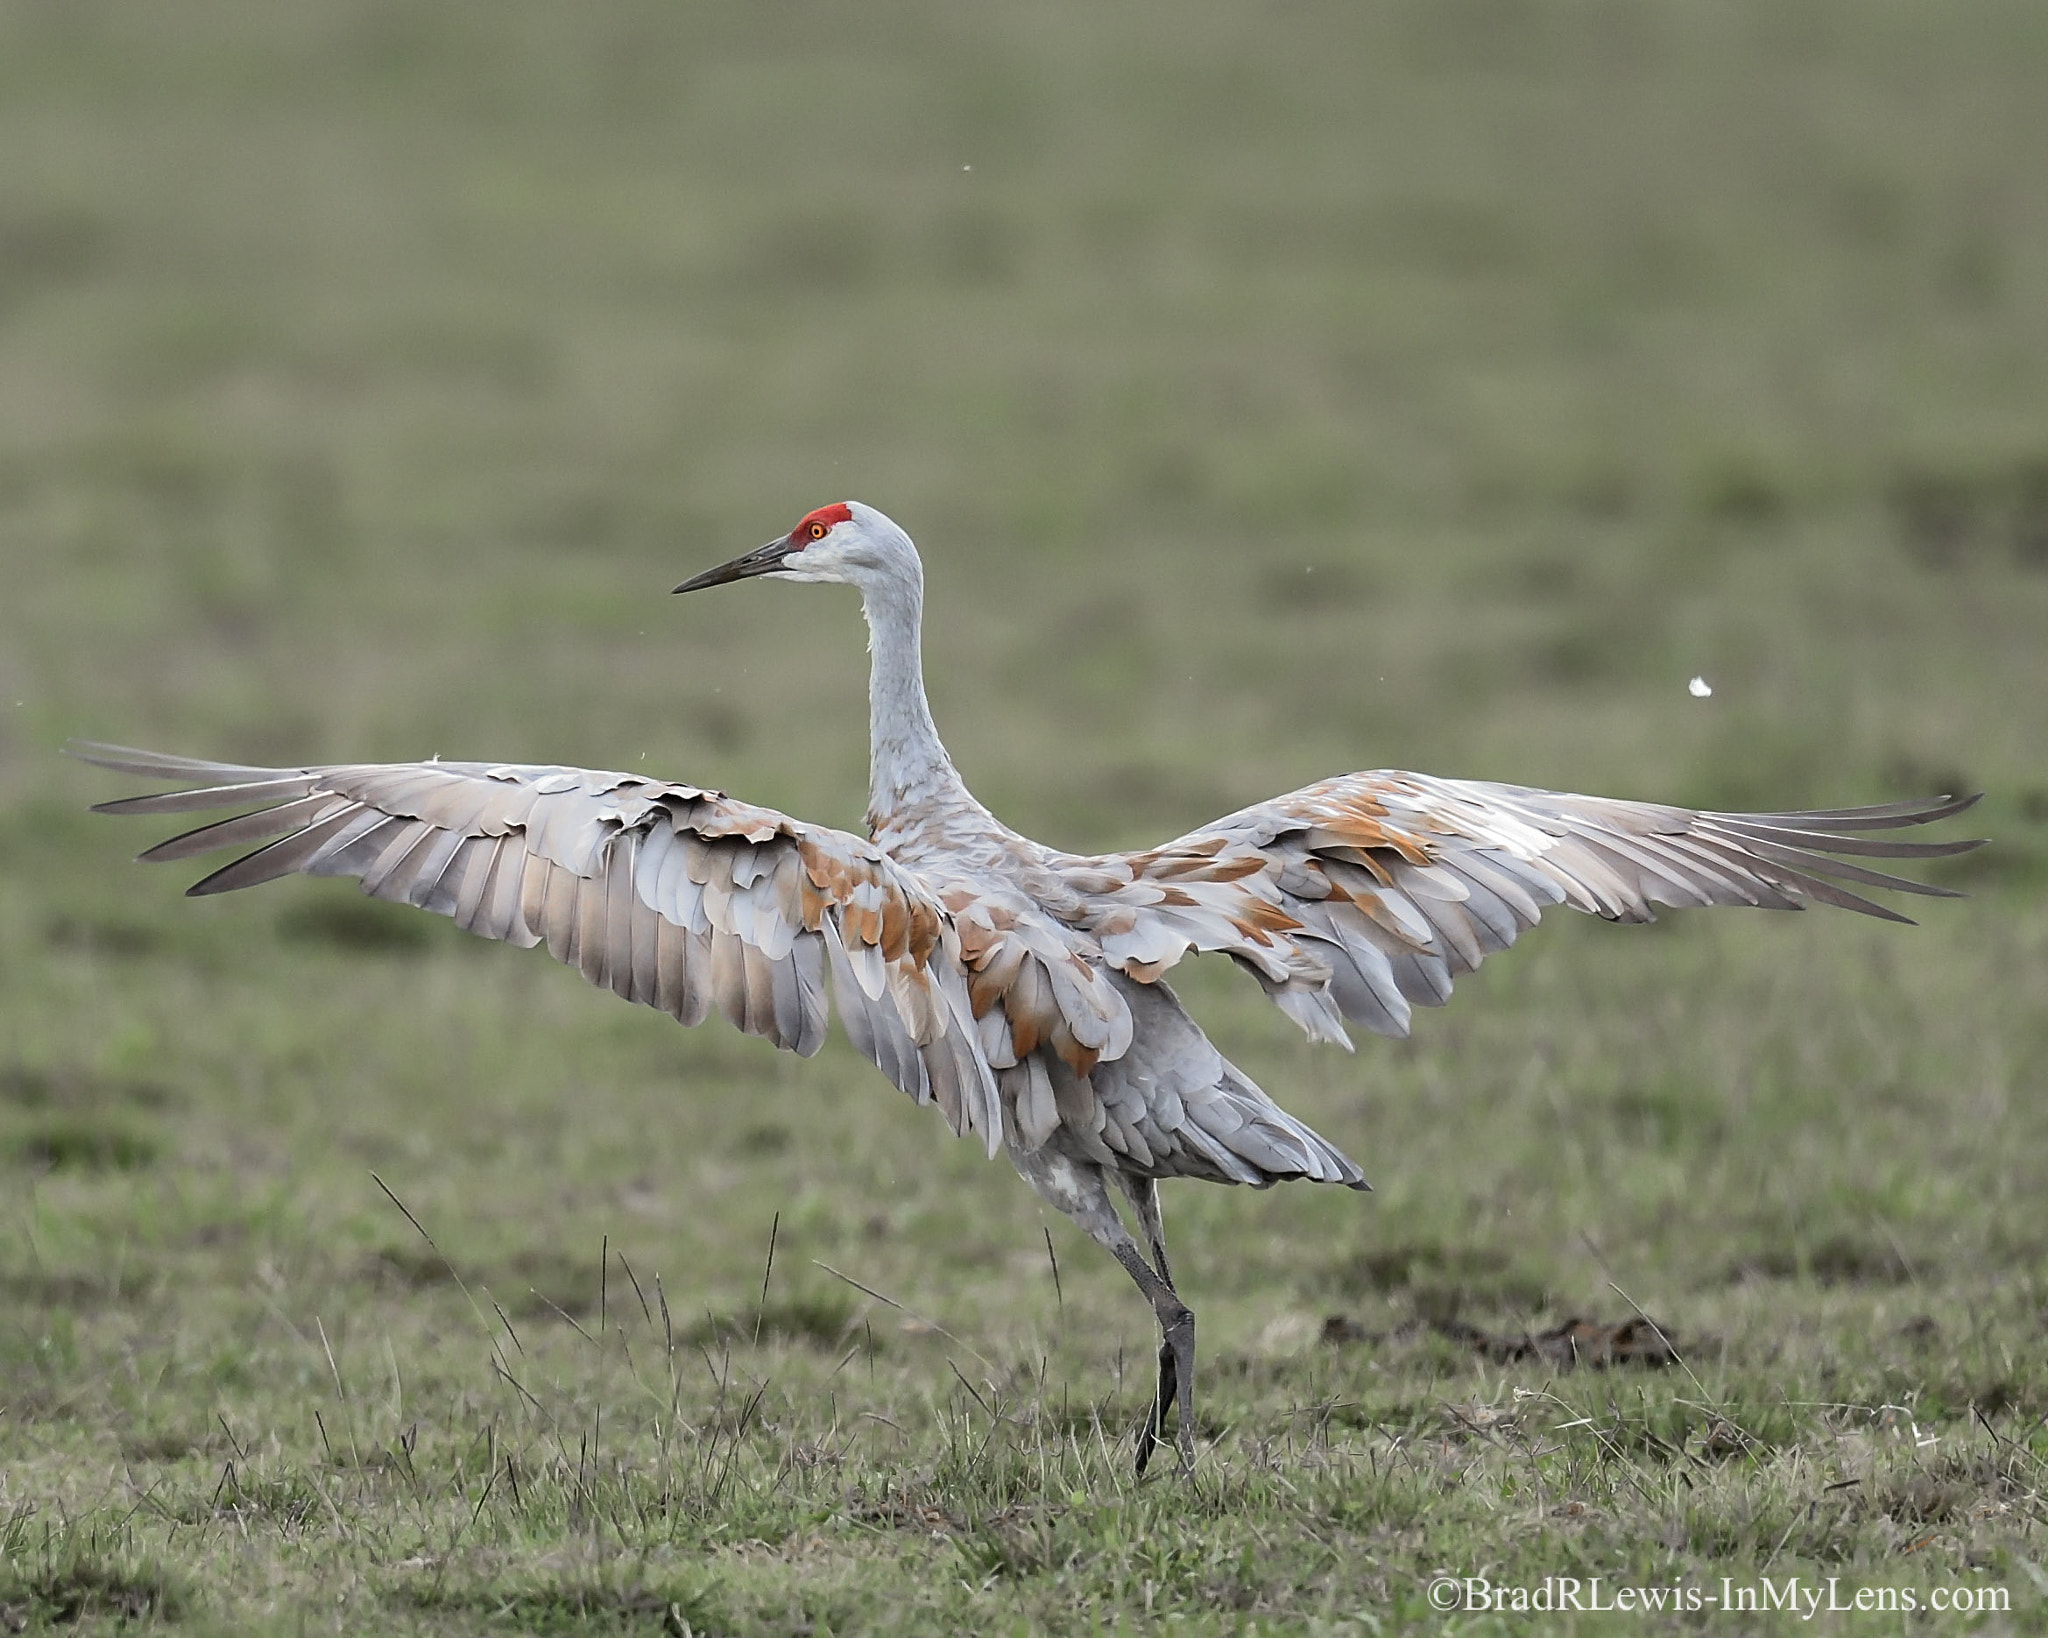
<point x="1016" y="987"/>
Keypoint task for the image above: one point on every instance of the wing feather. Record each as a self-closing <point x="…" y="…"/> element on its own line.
<point x="245" y="828"/>
<point x="479" y="862"/>
<point x="643" y="938"/>
<point x="414" y="858"/>
<point x="1362" y="983"/>
<point x="211" y="799"/>
<point x="666" y="894"/>
<point x="680" y="960"/>
<point x="289" y="853"/>
<point x="502" y="911"/>
<point x="1367" y="894"/>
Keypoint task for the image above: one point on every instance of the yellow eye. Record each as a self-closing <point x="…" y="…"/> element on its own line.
<point x="816" y="531"/>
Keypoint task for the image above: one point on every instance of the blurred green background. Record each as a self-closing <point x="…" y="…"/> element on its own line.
<point x="369" y="372"/>
<point x="1274" y="390"/>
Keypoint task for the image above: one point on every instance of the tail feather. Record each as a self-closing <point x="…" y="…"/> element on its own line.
<point x="1272" y="1142"/>
<point x="1174" y="1097"/>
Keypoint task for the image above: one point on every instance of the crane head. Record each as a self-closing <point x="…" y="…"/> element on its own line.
<point x="844" y="542"/>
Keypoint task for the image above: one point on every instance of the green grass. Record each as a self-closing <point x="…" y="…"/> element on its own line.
<point x="1274" y="392"/>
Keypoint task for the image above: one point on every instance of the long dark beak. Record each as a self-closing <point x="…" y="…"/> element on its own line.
<point x="761" y="560"/>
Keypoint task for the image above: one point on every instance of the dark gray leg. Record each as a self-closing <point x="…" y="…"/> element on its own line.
<point x="1143" y="1194"/>
<point x="1176" y="1352"/>
<point x="1077" y="1188"/>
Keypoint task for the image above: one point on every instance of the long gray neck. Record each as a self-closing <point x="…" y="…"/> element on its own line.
<point x="909" y="774"/>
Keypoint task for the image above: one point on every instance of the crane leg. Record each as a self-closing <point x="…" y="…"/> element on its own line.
<point x="1079" y="1190"/>
<point x="1176" y="1360"/>
<point x="1176" y="1352"/>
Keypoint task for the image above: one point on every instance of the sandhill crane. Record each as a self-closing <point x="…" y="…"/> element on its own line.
<point x="1019" y="988"/>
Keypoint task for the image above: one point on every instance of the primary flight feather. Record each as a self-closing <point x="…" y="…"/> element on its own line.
<point x="1019" y="988"/>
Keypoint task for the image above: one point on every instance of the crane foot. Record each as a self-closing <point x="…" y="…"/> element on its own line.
<point x="1175" y="1391"/>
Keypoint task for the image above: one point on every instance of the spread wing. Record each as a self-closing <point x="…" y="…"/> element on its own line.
<point x="678" y="898"/>
<point x="1363" y="896"/>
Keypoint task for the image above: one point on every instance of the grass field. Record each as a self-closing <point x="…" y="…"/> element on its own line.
<point x="1274" y="391"/>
